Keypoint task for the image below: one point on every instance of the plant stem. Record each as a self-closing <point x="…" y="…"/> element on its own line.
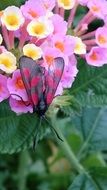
<point x="68" y="151"/>
<point x="23" y="163"/>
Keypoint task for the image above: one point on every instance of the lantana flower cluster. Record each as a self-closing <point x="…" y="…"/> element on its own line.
<point x="39" y="30"/>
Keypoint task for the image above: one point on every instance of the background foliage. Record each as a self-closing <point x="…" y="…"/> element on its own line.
<point x="80" y="163"/>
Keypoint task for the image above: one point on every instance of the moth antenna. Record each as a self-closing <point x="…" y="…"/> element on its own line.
<point x="20" y="98"/>
<point x="35" y="141"/>
<point x="53" y="129"/>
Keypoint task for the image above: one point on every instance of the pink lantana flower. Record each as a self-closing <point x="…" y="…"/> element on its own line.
<point x="98" y="8"/>
<point x="97" y="56"/>
<point x="4" y="93"/>
<point x="19" y="106"/>
<point x="2" y="49"/>
<point x="16" y="86"/>
<point x="70" y="72"/>
<point x="60" y="26"/>
<point x="49" y="5"/>
<point x="65" y="44"/>
<point x="101" y="36"/>
<point x="49" y="54"/>
<point x="33" y="9"/>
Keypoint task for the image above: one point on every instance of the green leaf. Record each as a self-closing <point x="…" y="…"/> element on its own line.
<point x="82" y="182"/>
<point x="90" y="79"/>
<point x="92" y="100"/>
<point x="92" y="124"/>
<point x="6" y="3"/>
<point x="94" y="160"/>
<point x="90" y="85"/>
<point x="17" y="132"/>
<point x="99" y="175"/>
<point x="99" y="171"/>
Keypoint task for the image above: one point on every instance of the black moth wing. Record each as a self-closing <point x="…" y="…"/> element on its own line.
<point x="32" y="78"/>
<point x="53" y="78"/>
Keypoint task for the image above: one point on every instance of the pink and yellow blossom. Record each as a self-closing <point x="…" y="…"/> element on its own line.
<point x="12" y="18"/>
<point x="33" y="51"/>
<point x="66" y="4"/>
<point x="7" y="62"/>
<point x="40" y="28"/>
<point x="80" y="47"/>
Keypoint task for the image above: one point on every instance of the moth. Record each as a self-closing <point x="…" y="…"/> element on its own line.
<point x="41" y="84"/>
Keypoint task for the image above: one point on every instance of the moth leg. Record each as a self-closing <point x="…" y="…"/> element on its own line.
<point x="53" y="129"/>
<point x="35" y="140"/>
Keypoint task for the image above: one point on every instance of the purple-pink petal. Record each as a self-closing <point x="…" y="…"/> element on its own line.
<point x="15" y="86"/>
<point x="19" y="106"/>
<point x="4" y="93"/>
<point x="97" y="56"/>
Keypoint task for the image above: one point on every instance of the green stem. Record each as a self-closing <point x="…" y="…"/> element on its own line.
<point x="68" y="151"/>
<point x="23" y="163"/>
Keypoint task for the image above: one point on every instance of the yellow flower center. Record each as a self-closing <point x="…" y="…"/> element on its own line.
<point x="39" y="28"/>
<point x="31" y="53"/>
<point x="60" y="46"/>
<point x="65" y="2"/>
<point x="12" y="20"/>
<point x="6" y="62"/>
<point x="77" y="46"/>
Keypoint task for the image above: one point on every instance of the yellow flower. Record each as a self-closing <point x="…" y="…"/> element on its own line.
<point x="31" y="50"/>
<point x="40" y="27"/>
<point x="66" y="4"/>
<point x="12" y="18"/>
<point x="1" y="39"/>
<point x="80" y="47"/>
<point x="7" y="62"/>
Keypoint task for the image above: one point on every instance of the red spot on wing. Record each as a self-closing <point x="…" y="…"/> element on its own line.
<point x="58" y="72"/>
<point x="49" y="81"/>
<point x="49" y="98"/>
<point x="26" y="72"/>
<point x="34" y="81"/>
<point x="35" y="98"/>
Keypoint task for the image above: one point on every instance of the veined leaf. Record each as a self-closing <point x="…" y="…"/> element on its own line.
<point x="91" y="100"/>
<point x="82" y="182"/>
<point x="90" y="86"/>
<point x="17" y="132"/>
<point x="90" y="78"/>
<point x="92" y="124"/>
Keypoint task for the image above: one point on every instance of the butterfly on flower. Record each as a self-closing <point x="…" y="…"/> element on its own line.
<point x="41" y="84"/>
